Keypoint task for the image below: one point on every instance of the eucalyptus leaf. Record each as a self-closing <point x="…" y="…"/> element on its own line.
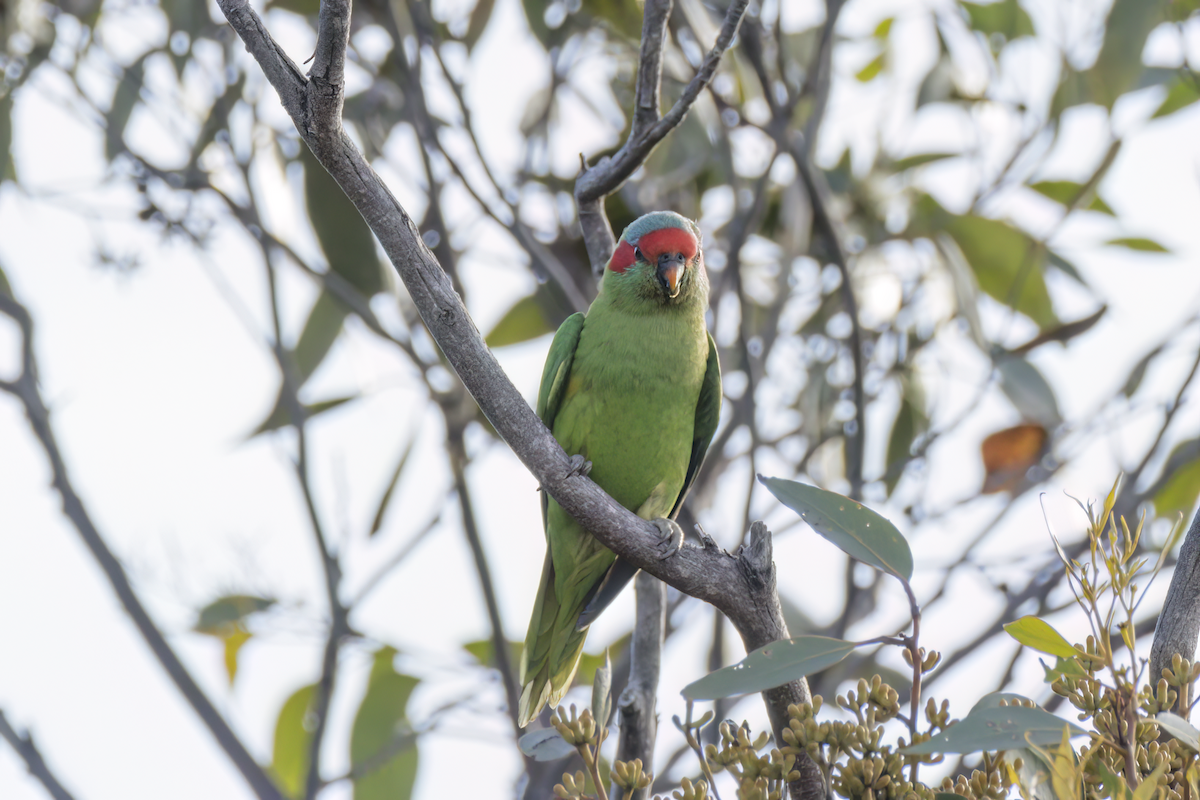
<point x="289" y="753"/>
<point x="1039" y="635"/>
<point x="997" y="728"/>
<point x="770" y="666"/>
<point x="1024" y="385"/>
<point x="1180" y="728"/>
<point x="857" y="530"/>
<point x="381" y="737"/>
<point x="545" y="745"/>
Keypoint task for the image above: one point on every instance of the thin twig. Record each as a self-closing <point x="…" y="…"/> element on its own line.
<point x="34" y="762"/>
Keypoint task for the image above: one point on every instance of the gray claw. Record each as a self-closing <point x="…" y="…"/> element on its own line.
<point x="579" y="466"/>
<point x="672" y="537"/>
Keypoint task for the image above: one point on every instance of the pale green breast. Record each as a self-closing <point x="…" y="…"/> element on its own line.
<point x="631" y="401"/>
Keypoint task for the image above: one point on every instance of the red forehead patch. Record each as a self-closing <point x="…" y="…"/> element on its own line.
<point x="668" y="240"/>
<point x="622" y="259"/>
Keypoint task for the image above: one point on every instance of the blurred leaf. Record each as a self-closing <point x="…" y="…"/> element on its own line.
<point x="1062" y="666"/>
<point x="306" y="8"/>
<point x="1180" y="728"/>
<point x="7" y="168"/>
<point x="480" y="16"/>
<point x="1064" y="266"/>
<point x="218" y="118"/>
<point x="1139" y="371"/>
<point x="921" y="159"/>
<point x="1119" y="64"/>
<point x="910" y="423"/>
<point x="522" y="322"/>
<point x="873" y="68"/>
<point x="1179" y="493"/>
<point x="187" y="15"/>
<point x="347" y="242"/>
<point x="622" y="16"/>
<point x="1064" y="192"/>
<point x="279" y="416"/>
<point x="590" y="662"/>
<point x="1006" y="18"/>
<point x="884" y="28"/>
<point x="1138" y="243"/>
<point x="320" y="331"/>
<point x="386" y="500"/>
<point x="289" y="761"/>
<point x="1100" y="206"/>
<point x="233" y="645"/>
<point x="128" y="91"/>
<point x="546" y="744"/>
<point x="1024" y="385"/>
<point x="483" y="651"/>
<point x="1006" y="262"/>
<point x="855" y="529"/>
<point x="998" y="728"/>
<point x="770" y="666"/>
<point x="5" y="286"/>
<point x="1008" y="454"/>
<point x="376" y="739"/>
<point x="1039" y="635"/>
<point x="229" y="610"/>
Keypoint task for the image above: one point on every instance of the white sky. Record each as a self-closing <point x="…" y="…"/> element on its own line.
<point x="154" y="381"/>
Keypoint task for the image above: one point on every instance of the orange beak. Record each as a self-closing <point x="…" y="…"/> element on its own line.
<point x="670" y="273"/>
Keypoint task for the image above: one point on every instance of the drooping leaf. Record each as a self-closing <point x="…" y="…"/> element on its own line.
<point x="386" y="500"/>
<point x="1039" y="635"/>
<point x="997" y="728"/>
<point x="124" y="99"/>
<point x="1180" y="728"/>
<point x="1179" y="493"/>
<point x="923" y="158"/>
<point x="855" y="529"/>
<point x="289" y="760"/>
<point x="279" y="416"/>
<point x="1024" y="385"/>
<point x="218" y="118"/>
<point x="770" y="666"/>
<point x="233" y="645"/>
<point x="910" y="423"/>
<point x="7" y="171"/>
<point x="883" y="28"/>
<point x="522" y="322"/>
<point x="872" y="69"/>
<point x="381" y="741"/>
<point x="347" y="242"/>
<point x="1006" y="262"/>
<point x="229" y="610"/>
<point x="320" y="331"/>
<point x="1008" y="454"/>
<point x="1138" y="243"/>
<point x="1119" y="63"/>
<point x="480" y="16"/>
<point x="1139" y="371"/>
<point x="546" y="744"/>
<point x="1006" y="18"/>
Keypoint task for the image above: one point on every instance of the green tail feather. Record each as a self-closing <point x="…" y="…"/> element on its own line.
<point x="552" y="650"/>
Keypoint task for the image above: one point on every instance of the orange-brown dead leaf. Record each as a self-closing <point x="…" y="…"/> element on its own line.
<point x="1009" y="453"/>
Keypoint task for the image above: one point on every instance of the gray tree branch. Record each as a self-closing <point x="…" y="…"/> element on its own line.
<point x="639" y="722"/>
<point x="743" y="586"/>
<point x="25" y="389"/>
<point x="1179" y="621"/>
<point x="34" y="762"/>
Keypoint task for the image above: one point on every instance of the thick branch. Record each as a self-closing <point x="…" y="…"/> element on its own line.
<point x="639" y="723"/>
<point x="742" y="588"/>
<point x="1179" y="621"/>
<point x="25" y="388"/>
<point x="33" y="760"/>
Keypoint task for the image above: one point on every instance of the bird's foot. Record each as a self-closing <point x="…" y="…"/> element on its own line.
<point x="578" y="466"/>
<point x="671" y="541"/>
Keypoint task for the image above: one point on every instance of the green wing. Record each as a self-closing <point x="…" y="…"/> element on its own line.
<point x="708" y="411"/>
<point x="555" y="376"/>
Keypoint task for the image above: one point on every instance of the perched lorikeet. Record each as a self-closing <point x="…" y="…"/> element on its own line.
<point x="634" y="387"/>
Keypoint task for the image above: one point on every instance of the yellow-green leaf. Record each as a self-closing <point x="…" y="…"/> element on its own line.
<point x="233" y="645"/>
<point x="1138" y="243"/>
<point x="868" y="73"/>
<point x="289" y="761"/>
<point x="1040" y="635"/>
<point x="382" y="743"/>
<point x="524" y="321"/>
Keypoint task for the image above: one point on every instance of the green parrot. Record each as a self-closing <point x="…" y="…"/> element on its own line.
<point x="633" y="387"/>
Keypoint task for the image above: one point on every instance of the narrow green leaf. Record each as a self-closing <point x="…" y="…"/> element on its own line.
<point x="347" y="242"/>
<point x="1139" y="371"/>
<point x="228" y="610"/>
<point x="1102" y="207"/>
<point x="1119" y="66"/>
<point x="7" y="171"/>
<point x="1178" y="495"/>
<point x="910" y="423"/>
<point x="320" y="331"/>
<point x="924" y="158"/>
<point x="1006" y="18"/>
<point x="1138" y="243"/>
<point x="770" y="666"/>
<point x="1024" y="385"/>
<point x="884" y="28"/>
<point x="289" y="760"/>
<point x="279" y="417"/>
<point x="1180" y="728"/>
<point x="382" y="743"/>
<point x="857" y="530"/>
<point x="1040" y="635"/>
<point x="546" y="744"/>
<point x="124" y="99"/>
<point x="872" y="69"/>
<point x="218" y="117"/>
<point x="386" y="500"/>
<point x="237" y="637"/>
<point x="522" y="322"/>
<point x="480" y="16"/>
<point x="1063" y="192"/>
<point x="999" y="728"/>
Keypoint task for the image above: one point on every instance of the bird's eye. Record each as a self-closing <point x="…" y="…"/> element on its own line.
<point x="637" y="253"/>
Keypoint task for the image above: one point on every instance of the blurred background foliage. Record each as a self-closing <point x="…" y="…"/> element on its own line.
<point x="868" y="295"/>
